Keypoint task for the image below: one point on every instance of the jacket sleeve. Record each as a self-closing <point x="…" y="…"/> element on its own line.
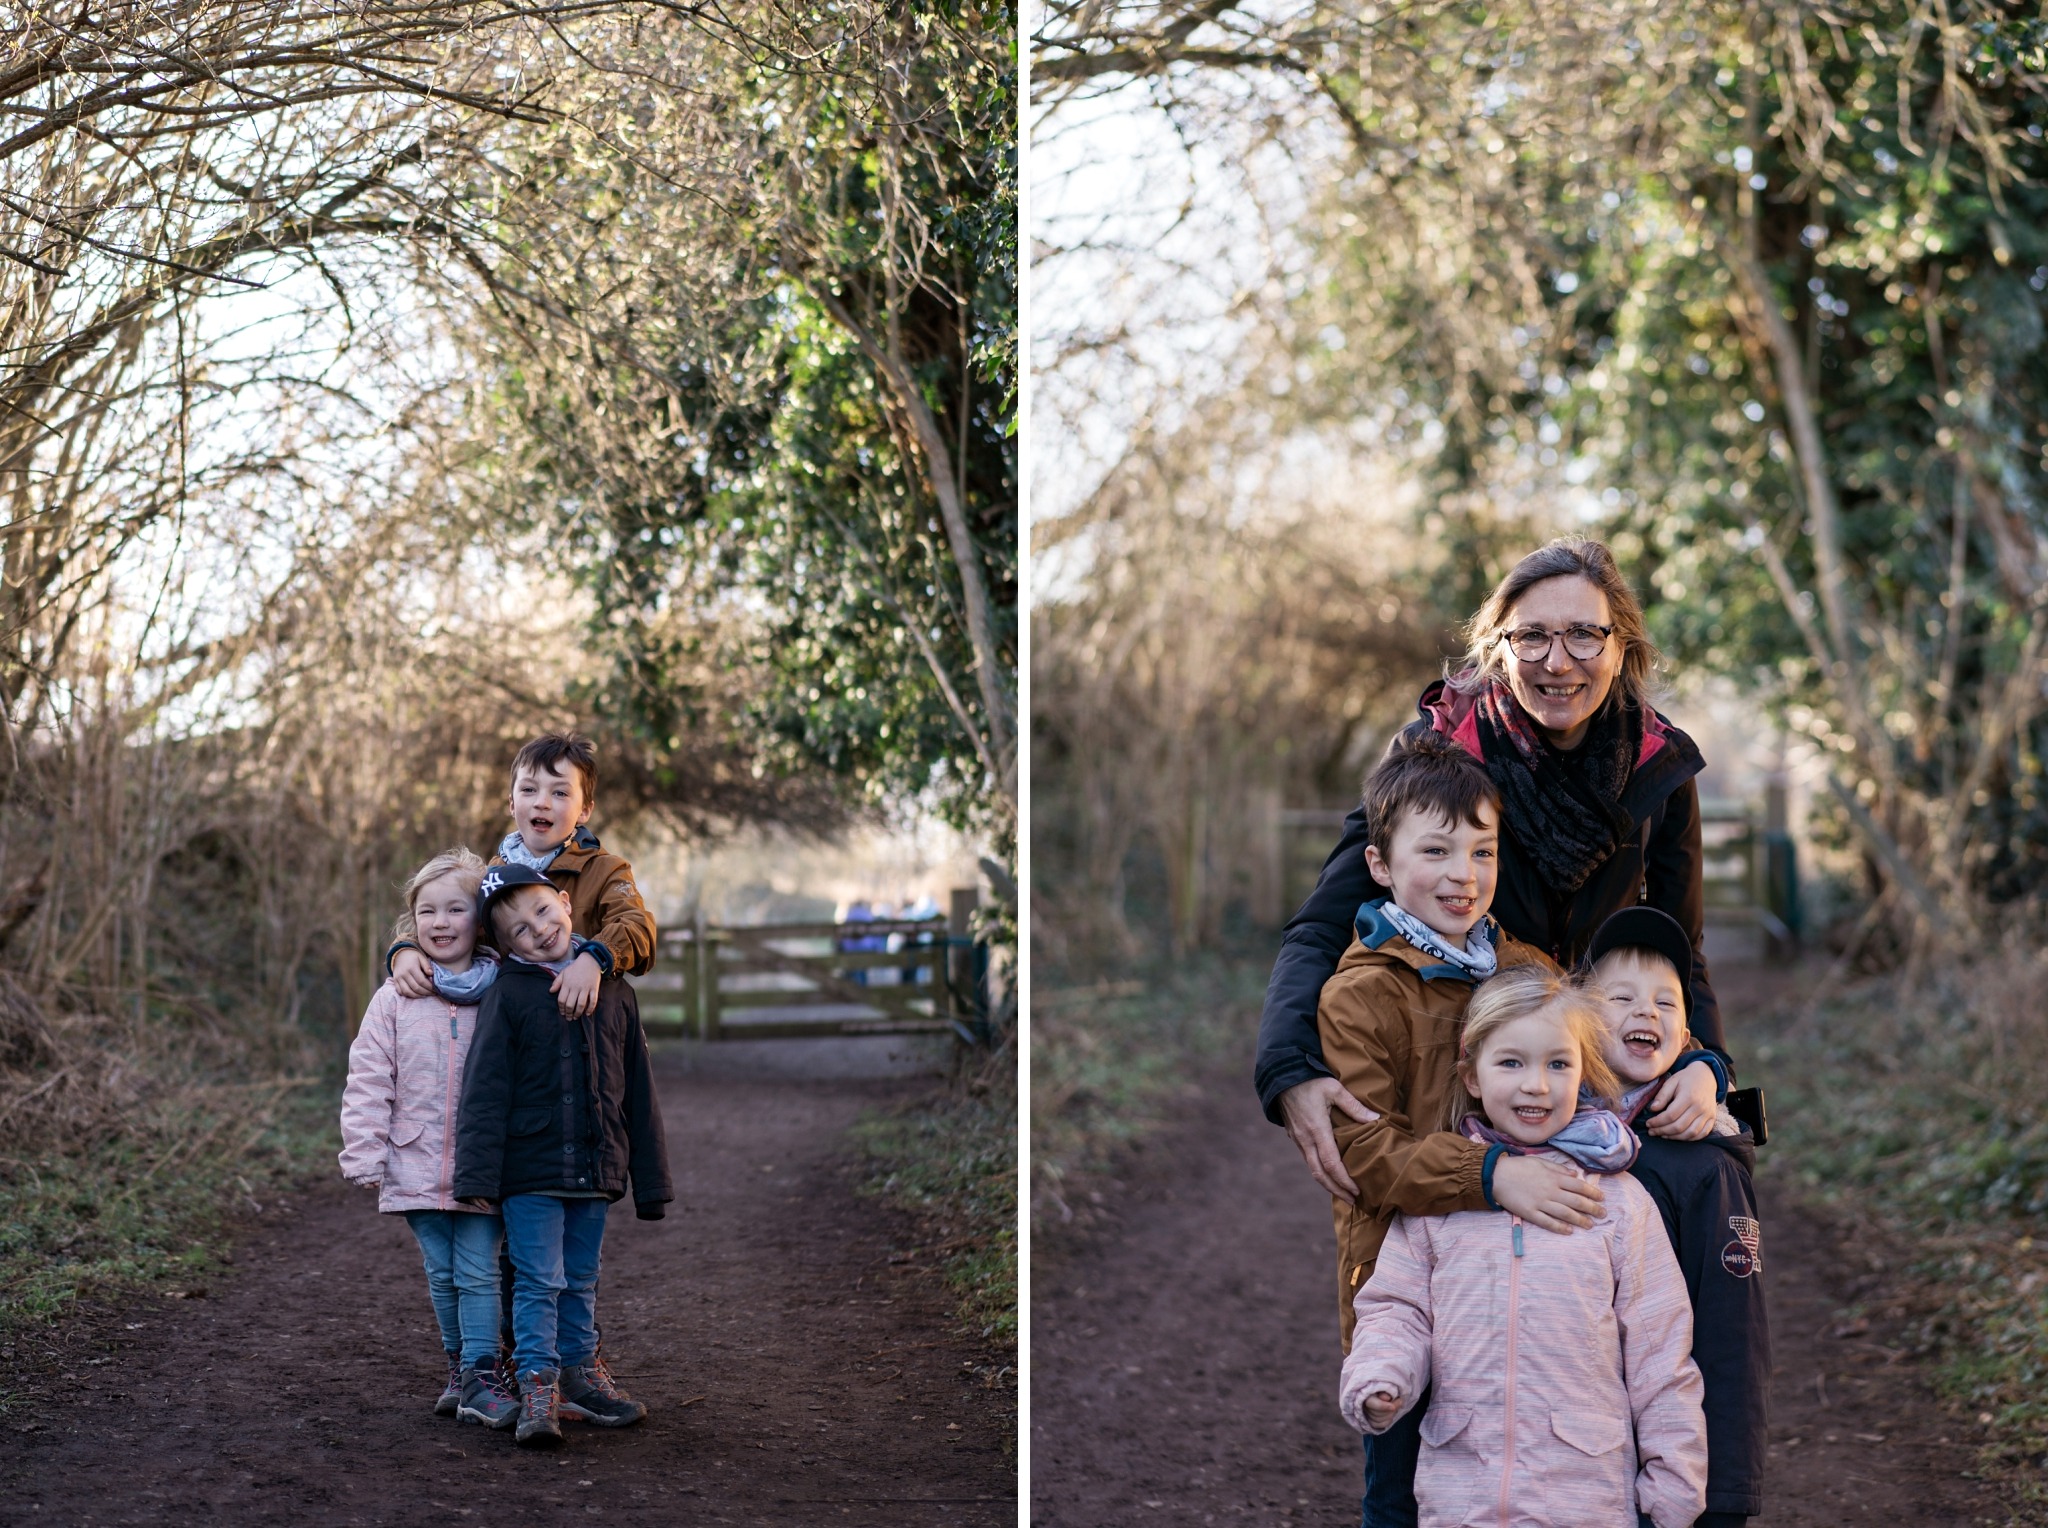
<point x="647" y="1142"/>
<point x="484" y="1115"/>
<point x="1664" y="1391"/>
<point x="624" y="925"/>
<point x="1390" y="1345"/>
<point x="1314" y="941"/>
<point x="1672" y="875"/>
<point x="371" y="1093"/>
<point x="1720" y="1254"/>
<point x="1419" y="1171"/>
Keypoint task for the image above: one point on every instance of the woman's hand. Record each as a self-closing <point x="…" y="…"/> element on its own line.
<point x="1306" y="1107"/>
<point x="1684" y="1107"/>
<point x="1381" y="1407"/>
<point x="412" y="974"/>
<point x="1546" y="1194"/>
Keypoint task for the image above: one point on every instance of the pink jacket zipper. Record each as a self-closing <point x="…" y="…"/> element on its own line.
<point x="448" y="1112"/>
<point x="1507" y="1463"/>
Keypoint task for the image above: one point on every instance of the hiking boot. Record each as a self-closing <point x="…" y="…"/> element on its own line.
<point x="540" y="1425"/>
<point x="590" y="1394"/>
<point x="486" y="1398"/>
<point x="451" y="1393"/>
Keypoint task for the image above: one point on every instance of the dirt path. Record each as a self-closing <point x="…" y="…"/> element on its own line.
<point x="794" y="1374"/>
<point x="1184" y="1357"/>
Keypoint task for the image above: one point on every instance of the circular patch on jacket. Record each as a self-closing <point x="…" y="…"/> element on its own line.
<point x="1739" y="1260"/>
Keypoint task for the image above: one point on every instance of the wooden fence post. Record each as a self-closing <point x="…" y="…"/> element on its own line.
<point x="707" y="978"/>
<point x="960" y="952"/>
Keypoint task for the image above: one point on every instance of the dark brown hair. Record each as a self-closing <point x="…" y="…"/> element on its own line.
<point x="1425" y="772"/>
<point x="544" y="755"/>
<point x="1566" y="557"/>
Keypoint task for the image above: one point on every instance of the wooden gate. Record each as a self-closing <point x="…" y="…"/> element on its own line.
<point x="781" y="981"/>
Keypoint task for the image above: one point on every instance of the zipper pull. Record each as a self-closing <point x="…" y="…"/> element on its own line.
<point x="1518" y="1236"/>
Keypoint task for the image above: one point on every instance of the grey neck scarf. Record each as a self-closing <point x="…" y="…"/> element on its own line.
<point x="466" y="987"/>
<point x="513" y="851"/>
<point x="1477" y="960"/>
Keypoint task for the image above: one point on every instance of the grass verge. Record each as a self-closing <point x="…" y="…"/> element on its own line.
<point x="1109" y="1060"/>
<point x="952" y="1163"/>
<point x="1916" y="1110"/>
<point x="147" y="1210"/>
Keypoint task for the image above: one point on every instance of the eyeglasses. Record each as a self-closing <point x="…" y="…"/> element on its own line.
<point x="1532" y="643"/>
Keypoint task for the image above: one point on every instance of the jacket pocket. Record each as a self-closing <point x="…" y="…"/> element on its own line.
<point x="1589" y="1432"/>
<point x="1588" y="1479"/>
<point x="405" y="1131"/>
<point x="530" y="1121"/>
<point x="1440" y="1424"/>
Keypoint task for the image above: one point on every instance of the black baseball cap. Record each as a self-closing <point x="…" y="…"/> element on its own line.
<point x="501" y="880"/>
<point x="1645" y="928"/>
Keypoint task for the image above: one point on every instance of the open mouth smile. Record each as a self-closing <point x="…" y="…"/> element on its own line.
<point x="1532" y="1114"/>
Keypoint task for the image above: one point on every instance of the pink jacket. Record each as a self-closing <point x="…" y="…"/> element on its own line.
<point x="1565" y="1394"/>
<point x="398" y="1110"/>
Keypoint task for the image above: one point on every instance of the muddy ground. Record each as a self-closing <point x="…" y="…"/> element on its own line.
<point x="1184" y="1355"/>
<point x="798" y="1370"/>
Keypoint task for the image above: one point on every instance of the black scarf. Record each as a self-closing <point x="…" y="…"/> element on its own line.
<point x="1565" y="808"/>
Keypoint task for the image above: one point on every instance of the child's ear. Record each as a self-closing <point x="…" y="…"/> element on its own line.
<point x="1378" y="867"/>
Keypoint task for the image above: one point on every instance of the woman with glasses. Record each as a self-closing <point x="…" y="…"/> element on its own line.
<point x="1599" y="812"/>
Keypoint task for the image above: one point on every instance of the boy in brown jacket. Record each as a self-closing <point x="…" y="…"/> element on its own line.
<point x="1389" y="1021"/>
<point x="554" y="788"/>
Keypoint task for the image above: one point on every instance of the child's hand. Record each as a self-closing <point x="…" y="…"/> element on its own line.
<point x="1381" y="1407"/>
<point x="1684" y="1107"/>
<point x="479" y="1204"/>
<point x="576" y="988"/>
<point x="1547" y="1194"/>
<point x="367" y="1182"/>
<point x="412" y="974"/>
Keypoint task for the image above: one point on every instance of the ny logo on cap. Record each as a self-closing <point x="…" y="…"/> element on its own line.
<point x="491" y="883"/>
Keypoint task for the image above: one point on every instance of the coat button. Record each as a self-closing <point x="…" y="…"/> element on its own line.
<point x="567" y="1098"/>
<point x="565" y="1050"/>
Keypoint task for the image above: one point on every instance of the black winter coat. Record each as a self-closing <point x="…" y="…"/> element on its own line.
<point x="1708" y="1199"/>
<point x="552" y="1104"/>
<point x="1660" y="866"/>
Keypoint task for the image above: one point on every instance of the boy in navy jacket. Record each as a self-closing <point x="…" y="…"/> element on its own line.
<point x="558" y="1117"/>
<point x="1640" y="960"/>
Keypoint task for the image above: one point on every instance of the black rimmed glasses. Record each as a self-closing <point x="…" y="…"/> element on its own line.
<point x="1532" y="644"/>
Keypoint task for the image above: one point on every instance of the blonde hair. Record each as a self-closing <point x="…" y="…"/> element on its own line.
<point x="464" y="864"/>
<point x="1518" y="993"/>
<point x="1566" y="557"/>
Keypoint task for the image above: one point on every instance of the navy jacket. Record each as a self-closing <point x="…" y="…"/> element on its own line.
<point x="1708" y="1199"/>
<point x="554" y="1105"/>
<point x="1661" y="866"/>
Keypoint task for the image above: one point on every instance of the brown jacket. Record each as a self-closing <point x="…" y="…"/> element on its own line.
<point x="604" y="902"/>
<point x="1389" y="1022"/>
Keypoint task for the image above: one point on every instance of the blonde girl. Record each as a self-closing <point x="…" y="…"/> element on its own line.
<point x="1560" y="1388"/>
<point x="398" y="1129"/>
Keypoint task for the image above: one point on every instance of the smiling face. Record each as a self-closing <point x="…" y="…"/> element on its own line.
<point x="1440" y="871"/>
<point x="444" y="921"/>
<point x="1526" y="1077"/>
<point x="548" y="805"/>
<point x="1645" y="1014"/>
<point x="1561" y="693"/>
<point x="532" y="924"/>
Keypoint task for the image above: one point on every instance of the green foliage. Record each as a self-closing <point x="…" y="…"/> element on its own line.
<point x="714" y="441"/>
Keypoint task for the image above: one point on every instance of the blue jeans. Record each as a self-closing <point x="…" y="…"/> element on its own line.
<point x="1390" y="1458"/>
<point x="460" y="1250"/>
<point x="555" y="1245"/>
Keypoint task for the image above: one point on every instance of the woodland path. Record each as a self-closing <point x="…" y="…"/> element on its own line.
<point x="1184" y="1355"/>
<point x="795" y="1373"/>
